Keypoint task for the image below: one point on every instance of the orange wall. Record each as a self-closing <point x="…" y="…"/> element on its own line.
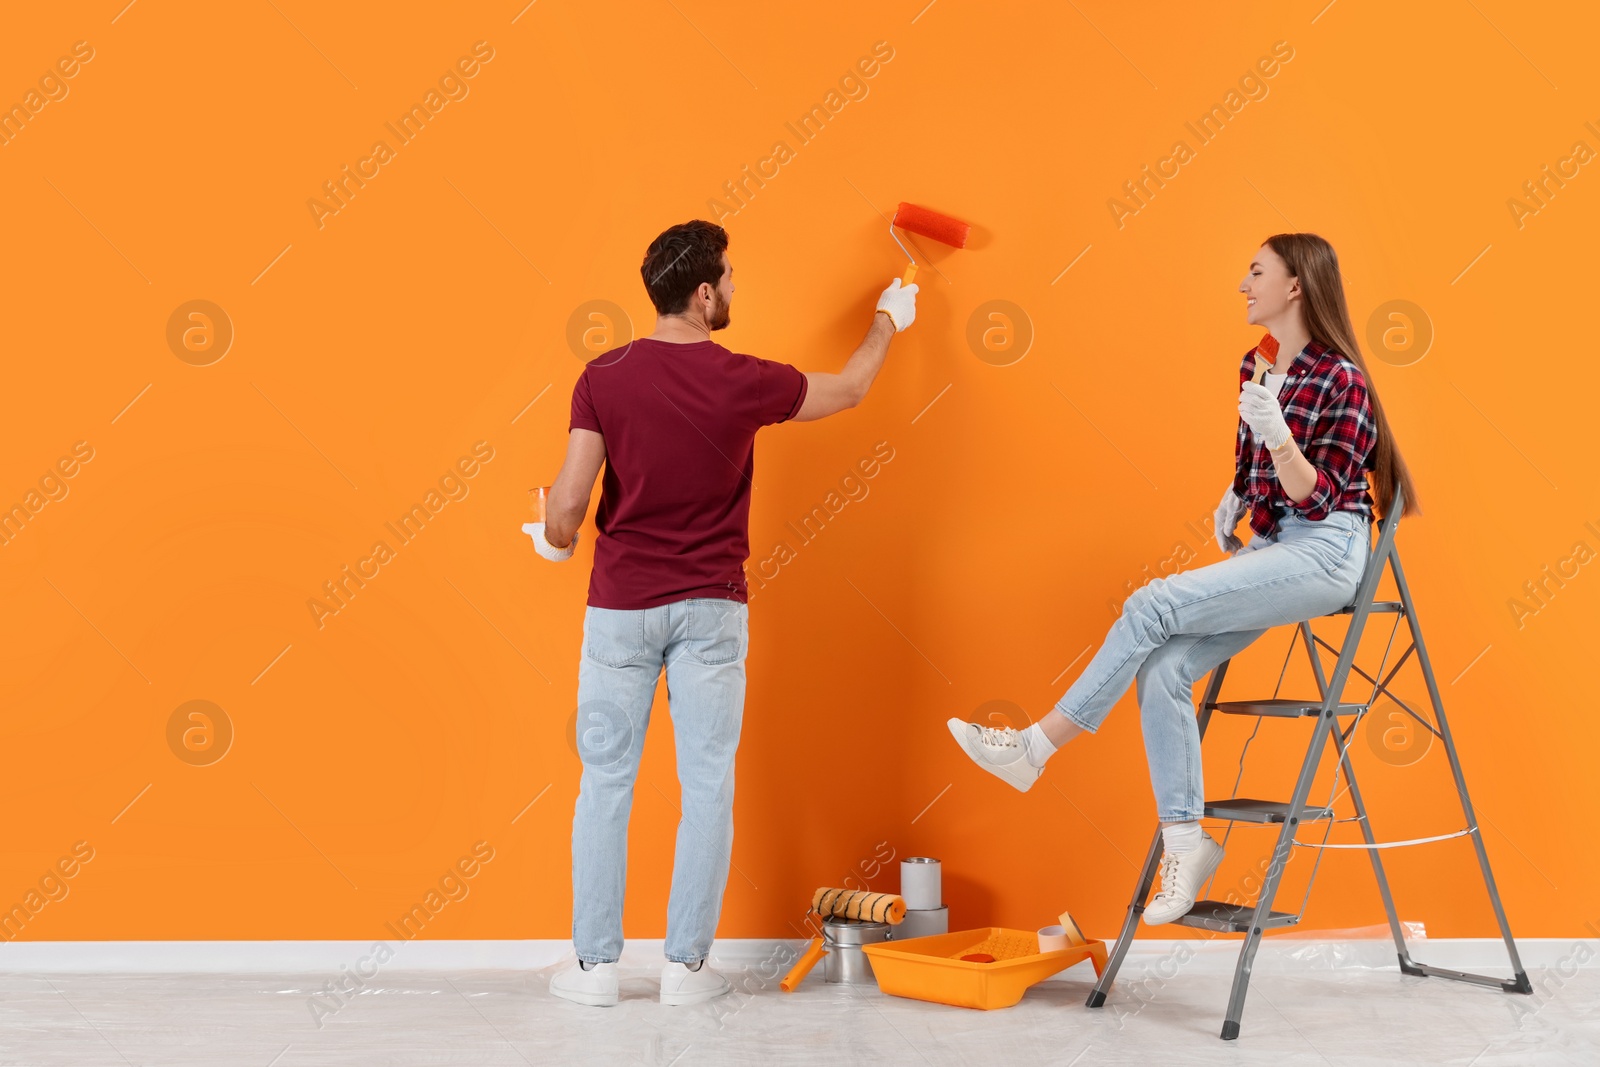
<point x="375" y="748"/>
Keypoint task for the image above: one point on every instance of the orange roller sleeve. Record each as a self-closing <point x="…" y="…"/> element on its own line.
<point x="920" y="220"/>
<point x="859" y="904"/>
<point x="941" y="228"/>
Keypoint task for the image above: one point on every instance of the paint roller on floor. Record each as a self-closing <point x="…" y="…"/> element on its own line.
<point x="855" y="904"/>
<point x="920" y="220"/>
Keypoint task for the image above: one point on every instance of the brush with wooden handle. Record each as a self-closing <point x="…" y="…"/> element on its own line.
<point x="1266" y="356"/>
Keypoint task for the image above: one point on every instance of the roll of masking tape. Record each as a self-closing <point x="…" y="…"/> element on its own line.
<point x="1065" y="934"/>
<point x="1053" y="939"/>
<point x="920" y="884"/>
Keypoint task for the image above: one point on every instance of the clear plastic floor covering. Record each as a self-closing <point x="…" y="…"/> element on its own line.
<point x="1351" y="1015"/>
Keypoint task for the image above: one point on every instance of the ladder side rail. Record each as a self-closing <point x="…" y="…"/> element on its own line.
<point x="1326" y="721"/>
<point x="1520" y="982"/>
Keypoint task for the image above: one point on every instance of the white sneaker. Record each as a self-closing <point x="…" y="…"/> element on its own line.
<point x="596" y="987"/>
<point x="680" y="985"/>
<point x="1181" y="879"/>
<point x="998" y="750"/>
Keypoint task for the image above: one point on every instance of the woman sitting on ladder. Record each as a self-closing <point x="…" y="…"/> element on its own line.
<point x="1306" y="440"/>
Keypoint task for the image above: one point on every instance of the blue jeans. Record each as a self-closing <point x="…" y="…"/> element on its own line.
<point x="1174" y="630"/>
<point x="702" y="643"/>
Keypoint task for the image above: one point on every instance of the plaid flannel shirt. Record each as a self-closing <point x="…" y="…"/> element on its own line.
<point x="1324" y="401"/>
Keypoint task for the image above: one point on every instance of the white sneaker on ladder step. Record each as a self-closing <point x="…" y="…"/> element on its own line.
<point x="998" y="750"/>
<point x="1181" y="879"/>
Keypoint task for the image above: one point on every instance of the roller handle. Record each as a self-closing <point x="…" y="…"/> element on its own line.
<point x="803" y="965"/>
<point x="909" y="276"/>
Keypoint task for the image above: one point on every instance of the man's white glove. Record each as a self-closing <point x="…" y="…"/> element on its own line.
<point x="1259" y="408"/>
<point x="900" y="304"/>
<point x="1226" y="518"/>
<point x="535" y="530"/>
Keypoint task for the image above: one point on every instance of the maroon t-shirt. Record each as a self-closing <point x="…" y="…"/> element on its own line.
<point x="680" y="424"/>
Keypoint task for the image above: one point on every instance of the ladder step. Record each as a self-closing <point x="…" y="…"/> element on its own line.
<point x="1282" y="707"/>
<point x="1379" y="607"/>
<point x="1245" y="809"/>
<point x="1230" y="918"/>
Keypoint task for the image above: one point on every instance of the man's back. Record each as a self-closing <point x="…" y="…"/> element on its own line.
<point x="679" y="422"/>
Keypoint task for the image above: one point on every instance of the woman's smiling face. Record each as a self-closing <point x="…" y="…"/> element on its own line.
<point x="1268" y="288"/>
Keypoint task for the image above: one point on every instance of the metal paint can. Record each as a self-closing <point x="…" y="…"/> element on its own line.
<point x="843" y="938"/>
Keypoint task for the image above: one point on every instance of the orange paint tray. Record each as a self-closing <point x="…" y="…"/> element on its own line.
<point x="931" y="968"/>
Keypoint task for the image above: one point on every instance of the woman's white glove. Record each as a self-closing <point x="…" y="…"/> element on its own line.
<point x="1259" y="408"/>
<point x="1227" y="516"/>
<point x="900" y="304"/>
<point x="550" y="552"/>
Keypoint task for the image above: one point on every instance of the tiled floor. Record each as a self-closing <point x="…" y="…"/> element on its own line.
<point x="490" y="1018"/>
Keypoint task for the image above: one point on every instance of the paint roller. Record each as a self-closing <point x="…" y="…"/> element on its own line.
<point x="920" y="220"/>
<point x="857" y="904"/>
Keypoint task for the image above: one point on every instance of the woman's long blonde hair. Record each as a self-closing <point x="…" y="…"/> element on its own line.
<point x="1312" y="260"/>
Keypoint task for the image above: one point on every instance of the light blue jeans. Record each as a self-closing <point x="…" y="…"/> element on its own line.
<point x="1174" y="630"/>
<point x="702" y="643"/>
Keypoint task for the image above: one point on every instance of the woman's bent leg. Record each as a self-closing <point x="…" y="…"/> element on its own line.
<point x="1283" y="583"/>
<point x="1167" y="717"/>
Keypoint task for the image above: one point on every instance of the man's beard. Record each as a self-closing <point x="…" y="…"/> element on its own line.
<point x="721" y="314"/>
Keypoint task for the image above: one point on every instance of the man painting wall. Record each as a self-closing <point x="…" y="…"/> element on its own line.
<point x="673" y="418"/>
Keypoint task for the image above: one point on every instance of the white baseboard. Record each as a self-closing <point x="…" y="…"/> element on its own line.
<point x="1280" y="955"/>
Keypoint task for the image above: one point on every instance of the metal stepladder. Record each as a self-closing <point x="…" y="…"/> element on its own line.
<point x="1328" y="711"/>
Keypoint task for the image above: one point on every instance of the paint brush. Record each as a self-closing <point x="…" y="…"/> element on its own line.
<point x="1266" y="356"/>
